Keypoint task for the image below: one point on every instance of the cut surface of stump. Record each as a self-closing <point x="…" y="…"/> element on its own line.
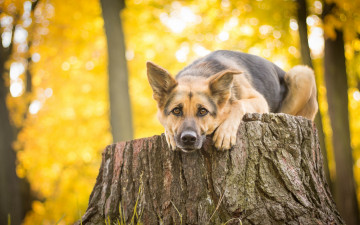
<point x="273" y="175"/>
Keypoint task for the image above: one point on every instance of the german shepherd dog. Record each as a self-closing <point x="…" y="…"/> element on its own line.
<point x="212" y="94"/>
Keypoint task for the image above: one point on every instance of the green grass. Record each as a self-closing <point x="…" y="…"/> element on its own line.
<point x="60" y="219"/>
<point x="135" y="219"/>
<point x="240" y="222"/>
<point x="180" y="215"/>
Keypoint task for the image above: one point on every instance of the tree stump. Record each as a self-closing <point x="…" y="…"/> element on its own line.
<point x="274" y="175"/>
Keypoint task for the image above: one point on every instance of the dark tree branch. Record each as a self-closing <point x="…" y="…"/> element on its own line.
<point x="327" y="9"/>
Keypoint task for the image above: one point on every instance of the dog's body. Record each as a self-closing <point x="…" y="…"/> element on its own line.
<point x="214" y="92"/>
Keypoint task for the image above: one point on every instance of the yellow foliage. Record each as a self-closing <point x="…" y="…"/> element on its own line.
<point x="60" y="144"/>
<point x="344" y="16"/>
<point x="331" y="23"/>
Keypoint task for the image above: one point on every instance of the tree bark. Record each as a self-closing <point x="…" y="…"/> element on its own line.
<point x="10" y="200"/>
<point x="306" y="60"/>
<point x="273" y="175"/>
<point x="120" y="108"/>
<point x="337" y="96"/>
<point x="303" y="33"/>
<point x="15" y="197"/>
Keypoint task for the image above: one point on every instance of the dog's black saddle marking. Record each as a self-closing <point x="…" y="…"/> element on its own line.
<point x="265" y="76"/>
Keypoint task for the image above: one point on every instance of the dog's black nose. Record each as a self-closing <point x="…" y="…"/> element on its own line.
<point x="188" y="137"/>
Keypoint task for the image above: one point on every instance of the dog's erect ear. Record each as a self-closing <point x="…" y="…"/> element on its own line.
<point x="220" y="85"/>
<point x="160" y="81"/>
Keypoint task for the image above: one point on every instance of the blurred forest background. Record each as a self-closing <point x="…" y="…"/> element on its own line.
<point x="69" y="87"/>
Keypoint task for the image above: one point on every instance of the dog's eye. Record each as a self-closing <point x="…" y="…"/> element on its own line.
<point x="202" y="112"/>
<point x="177" y="111"/>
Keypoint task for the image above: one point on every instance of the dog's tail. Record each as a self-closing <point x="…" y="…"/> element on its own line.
<point x="301" y="97"/>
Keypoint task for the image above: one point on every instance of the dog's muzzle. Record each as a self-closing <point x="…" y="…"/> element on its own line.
<point x="188" y="138"/>
<point x="189" y="141"/>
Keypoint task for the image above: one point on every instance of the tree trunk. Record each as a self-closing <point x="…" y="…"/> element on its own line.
<point x="274" y="175"/>
<point x="337" y="96"/>
<point x="303" y="33"/>
<point x="10" y="198"/>
<point x="10" y="201"/>
<point x="306" y="60"/>
<point x="120" y="108"/>
<point x="15" y="199"/>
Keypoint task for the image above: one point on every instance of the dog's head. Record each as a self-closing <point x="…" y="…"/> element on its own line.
<point x="192" y="106"/>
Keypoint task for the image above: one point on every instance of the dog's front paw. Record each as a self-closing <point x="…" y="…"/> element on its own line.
<point x="225" y="135"/>
<point x="170" y="140"/>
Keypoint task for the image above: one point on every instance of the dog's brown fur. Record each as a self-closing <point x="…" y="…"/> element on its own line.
<point x="192" y="107"/>
<point x="301" y="98"/>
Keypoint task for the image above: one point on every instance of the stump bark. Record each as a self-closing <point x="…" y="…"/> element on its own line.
<point x="274" y="175"/>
